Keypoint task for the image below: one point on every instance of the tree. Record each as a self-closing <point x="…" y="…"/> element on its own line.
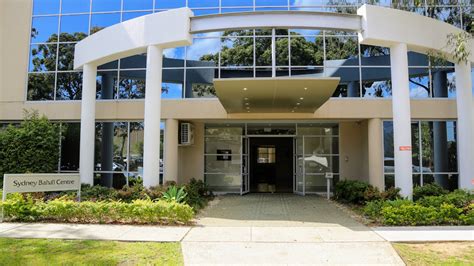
<point x="32" y="146"/>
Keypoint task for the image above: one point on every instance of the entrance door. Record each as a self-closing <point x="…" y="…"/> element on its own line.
<point x="271" y="164"/>
<point x="299" y="175"/>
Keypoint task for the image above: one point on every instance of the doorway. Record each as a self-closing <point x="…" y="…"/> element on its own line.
<point x="271" y="164"/>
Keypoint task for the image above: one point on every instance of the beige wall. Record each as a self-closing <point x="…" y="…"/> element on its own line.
<point x="15" y="21"/>
<point x="351" y="144"/>
<point x="210" y="109"/>
<point x="191" y="158"/>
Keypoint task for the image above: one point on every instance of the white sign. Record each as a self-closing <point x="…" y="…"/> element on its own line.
<point x="40" y="182"/>
<point x="329" y="175"/>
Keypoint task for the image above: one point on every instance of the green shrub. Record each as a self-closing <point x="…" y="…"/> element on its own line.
<point x="350" y="191"/>
<point x="373" y="209"/>
<point x="392" y="193"/>
<point x="428" y="190"/>
<point x="60" y="210"/>
<point x="31" y="147"/>
<point x="173" y="194"/>
<point x="198" y="194"/>
<point x="372" y="193"/>
<point x="129" y="194"/>
<point x="410" y="215"/>
<point x="458" y="198"/>
<point x="468" y="216"/>
<point x="97" y="193"/>
<point x="21" y="208"/>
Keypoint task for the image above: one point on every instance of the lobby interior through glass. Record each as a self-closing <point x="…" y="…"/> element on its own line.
<point x="271" y="157"/>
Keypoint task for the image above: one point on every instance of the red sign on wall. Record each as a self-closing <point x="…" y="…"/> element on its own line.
<point x="405" y="148"/>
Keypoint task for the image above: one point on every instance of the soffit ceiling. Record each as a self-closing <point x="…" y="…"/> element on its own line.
<point x="274" y="95"/>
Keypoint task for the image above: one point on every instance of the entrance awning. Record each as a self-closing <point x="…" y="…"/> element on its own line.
<point x="274" y="95"/>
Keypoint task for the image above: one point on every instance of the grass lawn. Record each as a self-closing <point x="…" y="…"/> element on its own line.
<point x="87" y="252"/>
<point x="448" y="253"/>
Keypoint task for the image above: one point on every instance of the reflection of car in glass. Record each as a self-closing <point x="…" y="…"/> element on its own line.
<point x="389" y="166"/>
<point x="316" y="164"/>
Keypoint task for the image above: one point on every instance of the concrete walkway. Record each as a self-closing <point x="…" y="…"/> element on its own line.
<point x="282" y="229"/>
<point x="262" y="229"/>
<point x="426" y="233"/>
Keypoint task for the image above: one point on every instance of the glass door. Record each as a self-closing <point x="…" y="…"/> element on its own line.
<point x="245" y="188"/>
<point x="299" y="166"/>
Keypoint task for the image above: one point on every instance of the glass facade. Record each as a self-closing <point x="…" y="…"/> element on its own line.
<point x="434" y="153"/>
<point x="188" y="71"/>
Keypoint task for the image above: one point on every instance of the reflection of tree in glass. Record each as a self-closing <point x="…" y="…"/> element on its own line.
<point x="204" y="90"/>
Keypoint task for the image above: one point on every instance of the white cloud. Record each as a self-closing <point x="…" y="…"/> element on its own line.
<point x="204" y="46"/>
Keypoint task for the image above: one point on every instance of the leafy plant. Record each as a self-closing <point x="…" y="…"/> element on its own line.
<point x="198" y="194"/>
<point x="31" y="146"/>
<point x="173" y="194"/>
<point x="63" y="210"/>
<point x="428" y="190"/>
<point x="351" y="191"/>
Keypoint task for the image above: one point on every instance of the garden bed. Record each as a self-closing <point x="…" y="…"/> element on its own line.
<point x="432" y="205"/>
<point x="165" y="205"/>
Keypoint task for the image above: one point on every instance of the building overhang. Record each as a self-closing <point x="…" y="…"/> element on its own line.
<point x="274" y="95"/>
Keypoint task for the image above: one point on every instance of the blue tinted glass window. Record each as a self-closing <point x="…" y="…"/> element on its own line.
<point x="44" y="7"/>
<point x="105" y="5"/>
<point x="69" y="86"/>
<point x="173" y="57"/>
<point x="203" y="3"/>
<point x="44" y="28"/>
<point x="164" y="4"/>
<point x="172" y="91"/>
<point x="419" y="83"/>
<point x="100" y="21"/>
<point x="271" y="2"/>
<point x="237" y="2"/>
<point x="75" y="6"/>
<point x="137" y="4"/>
<point x="41" y="86"/>
<point x="308" y="2"/>
<point x="74" y="28"/>
<point x="131" y="15"/>
<point x="203" y="12"/>
<point x="234" y="10"/>
<point x="43" y="57"/>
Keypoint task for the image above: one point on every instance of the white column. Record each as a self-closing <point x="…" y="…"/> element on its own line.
<point x="151" y="149"/>
<point x="465" y="127"/>
<point x="401" y="119"/>
<point x="87" y="141"/>
<point x="171" y="151"/>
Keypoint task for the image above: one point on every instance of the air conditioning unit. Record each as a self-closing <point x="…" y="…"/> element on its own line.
<point x="186" y="134"/>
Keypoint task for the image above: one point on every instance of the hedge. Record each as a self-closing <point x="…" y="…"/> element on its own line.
<point x="19" y="208"/>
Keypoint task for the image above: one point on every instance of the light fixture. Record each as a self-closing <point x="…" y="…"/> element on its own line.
<point x="305" y="88"/>
<point x="246" y="98"/>
<point x="245" y="89"/>
<point x="301" y="98"/>
<point x="298" y="103"/>
<point x="247" y="103"/>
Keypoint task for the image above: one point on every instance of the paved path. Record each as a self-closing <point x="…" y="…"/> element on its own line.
<point x="262" y="229"/>
<point x="426" y="233"/>
<point x="282" y="229"/>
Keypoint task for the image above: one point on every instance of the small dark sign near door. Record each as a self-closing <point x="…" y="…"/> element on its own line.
<point x="226" y="155"/>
